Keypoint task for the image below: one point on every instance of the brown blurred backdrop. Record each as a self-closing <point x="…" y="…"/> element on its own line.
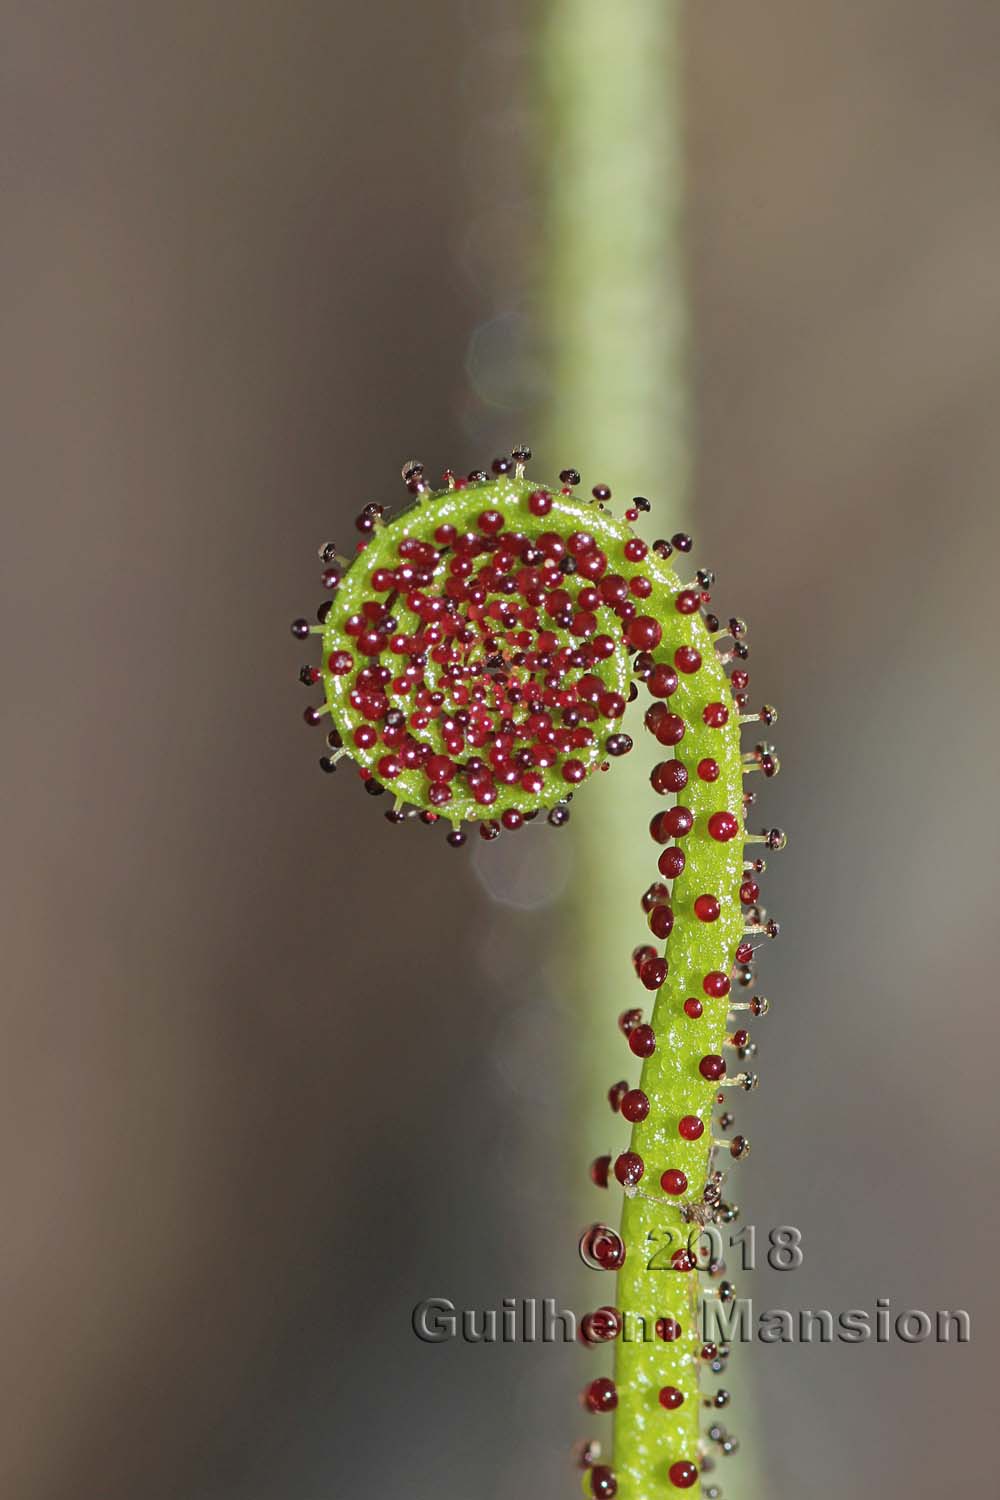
<point x="273" y="1071"/>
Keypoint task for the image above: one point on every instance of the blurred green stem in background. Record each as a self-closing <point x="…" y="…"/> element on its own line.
<point x="616" y="325"/>
<point x="614" y="282"/>
<point x="616" y="328"/>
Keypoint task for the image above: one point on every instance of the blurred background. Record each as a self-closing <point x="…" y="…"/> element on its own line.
<point x="273" y="1071"/>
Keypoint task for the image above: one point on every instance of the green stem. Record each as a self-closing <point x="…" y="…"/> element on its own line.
<point x="648" y="1439"/>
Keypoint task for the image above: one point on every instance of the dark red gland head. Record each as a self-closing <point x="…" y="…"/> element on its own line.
<point x="642" y="1041"/>
<point x="635" y="1106"/>
<point x="629" y="1167"/>
<point x="674" y="1182"/>
<point x="654" y="896"/>
<point x="603" y="1484"/>
<point x="723" y="826"/>
<point x="601" y="1326"/>
<point x="600" y="1395"/>
<point x="671" y="1398"/>
<point x="669" y="776"/>
<point x="641" y="955"/>
<point x="600" y="1169"/>
<point x="671" y="863"/>
<point x="678" y="821"/>
<point x="662" y="681"/>
<point x="602" y="1248"/>
<point x="653" y="973"/>
<point x="644" y="633"/>
<point x="661" y="921"/>
<point x="683" y="1474"/>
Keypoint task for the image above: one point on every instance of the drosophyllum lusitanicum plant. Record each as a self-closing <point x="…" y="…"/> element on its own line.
<point x="478" y="656"/>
